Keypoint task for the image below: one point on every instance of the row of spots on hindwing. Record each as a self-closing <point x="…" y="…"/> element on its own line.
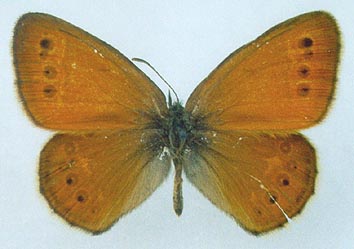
<point x="46" y="46"/>
<point x="283" y="178"/>
<point x="72" y="180"/>
<point x="303" y="70"/>
<point x="293" y="168"/>
<point x="280" y="177"/>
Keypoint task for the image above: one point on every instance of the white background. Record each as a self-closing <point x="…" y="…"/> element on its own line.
<point x="184" y="40"/>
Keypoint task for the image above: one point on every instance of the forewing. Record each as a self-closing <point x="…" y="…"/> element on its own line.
<point x="70" y="80"/>
<point x="282" y="80"/>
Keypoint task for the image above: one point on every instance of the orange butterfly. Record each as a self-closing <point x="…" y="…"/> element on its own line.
<point x="235" y="139"/>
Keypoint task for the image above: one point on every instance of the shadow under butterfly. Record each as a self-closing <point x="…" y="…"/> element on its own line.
<point x="236" y="138"/>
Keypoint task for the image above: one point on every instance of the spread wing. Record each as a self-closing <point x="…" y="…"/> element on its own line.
<point x="258" y="179"/>
<point x="91" y="180"/>
<point x="282" y="80"/>
<point x="71" y="80"/>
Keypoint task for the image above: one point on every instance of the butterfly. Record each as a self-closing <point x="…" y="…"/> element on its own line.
<point x="235" y="139"/>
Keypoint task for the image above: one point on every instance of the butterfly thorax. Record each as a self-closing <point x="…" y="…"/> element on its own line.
<point x="180" y="131"/>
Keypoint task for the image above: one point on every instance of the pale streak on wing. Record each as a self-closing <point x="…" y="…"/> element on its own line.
<point x="259" y="179"/>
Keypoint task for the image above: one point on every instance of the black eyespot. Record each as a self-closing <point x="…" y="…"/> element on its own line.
<point x="50" y="72"/>
<point x="81" y="198"/>
<point x="304" y="71"/>
<point x="49" y="91"/>
<point x="306" y="42"/>
<point x="303" y="90"/>
<point x="71" y="179"/>
<point x="285" y="182"/>
<point x="46" y="43"/>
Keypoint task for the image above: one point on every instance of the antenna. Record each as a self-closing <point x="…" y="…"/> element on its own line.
<point x="149" y="65"/>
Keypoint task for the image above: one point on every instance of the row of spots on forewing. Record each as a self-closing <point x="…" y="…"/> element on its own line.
<point x="304" y="70"/>
<point x="46" y="47"/>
